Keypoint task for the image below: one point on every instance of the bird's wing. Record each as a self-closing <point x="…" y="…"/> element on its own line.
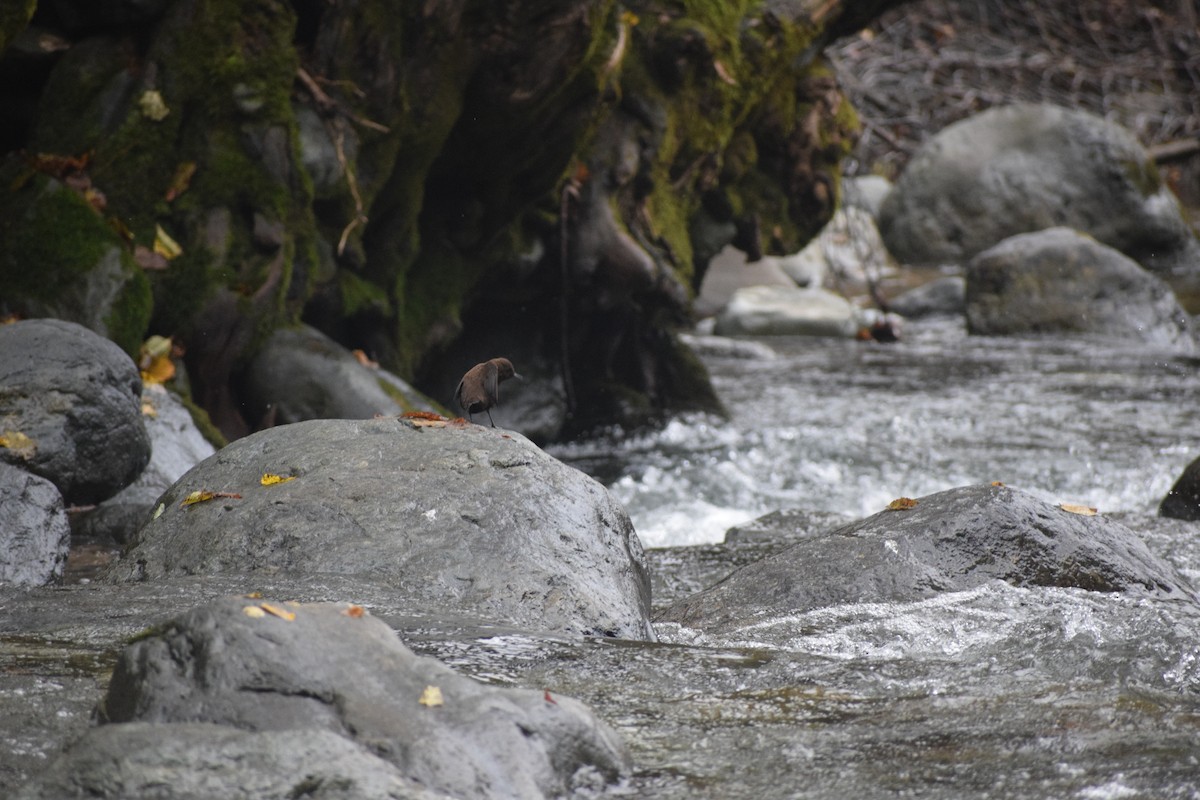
<point x="458" y="394"/>
<point x="491" y="381"/>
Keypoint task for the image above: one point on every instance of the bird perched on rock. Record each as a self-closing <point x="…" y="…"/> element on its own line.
<point x="479" y="389"/>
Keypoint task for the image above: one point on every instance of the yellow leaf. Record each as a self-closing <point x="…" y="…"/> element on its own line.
<point x="148" y="409"/>
<point x="164" y="245"/>
<point x="902" y="504"/>
<point x="253" y="595"/>
<point x="270" y="479"/>
<point x="197" y="497"/>
<point x="181" y="180"/>
<point x="153" y="106"/>
<point x="19" y="443"/>
<point x="354" y="611"/>
<point x="1083" y="511"/>
<point x="158" y="512"/>
<point x="282" y="613"/>
<point x="432" y="697"/>
<point x="254" y="612"/>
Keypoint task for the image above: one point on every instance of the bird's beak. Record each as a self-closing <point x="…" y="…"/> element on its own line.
<point x="518" y="376"/>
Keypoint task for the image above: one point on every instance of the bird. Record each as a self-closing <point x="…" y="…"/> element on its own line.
<point x="479" y="389"/>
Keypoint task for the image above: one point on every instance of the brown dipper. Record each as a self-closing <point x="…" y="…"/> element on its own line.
<point x="479" y="389"/>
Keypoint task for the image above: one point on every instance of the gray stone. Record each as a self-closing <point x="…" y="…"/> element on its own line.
<point x="1183" y="501"/>
<point x="1061" y="281"/>
<point x="941" y="297"/>
<point x="300" y="373"/>
<point x="463" y="518"/>
<point x="866" y="192"/>
<point x="176" y="446"/>
<point x="34" y="534"/>
<point x="781" y="310"/>
<point x="1024" y="168"/>
<point x="75" y="397"/>
<point x="198" y="761"/>
<point x="730" y="271"/>
<point x="950" y="541"/>
<point x="265" y="666"/>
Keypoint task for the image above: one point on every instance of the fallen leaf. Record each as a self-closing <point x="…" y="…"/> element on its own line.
<point x="19" y="443"/>
<point x="432" y="697"/>
<point x="254" y="612"/>
<point x="354" y="611"/>
<point x="164" y="245"/>
<point x="253" y="595"/>
<point x="282" y="613"/>
<point x="902" y="504"/>
<point x="427" y="415"/>
<point x="153" y="106"/>
<point x="997" y="483"/>
<point x="270" y="479"/>
<point x="158" y="512"/>
<point x="154" y="360"/>
<point x="148" y="409"/>
<point x="1083" y="511"/>
<point x="546" y="696"/>
<point x="365" y="360"/>
<point x="181" y="180"/>
<point x="203" y="495"/>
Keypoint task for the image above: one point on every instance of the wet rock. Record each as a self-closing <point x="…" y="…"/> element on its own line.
<point x="1027" y="167"/>
<point x="35" y="536"/>
<point x="1183" y="501"/>
<point x="176" y="446"/>
<point x="730" y="271"/>
<point x="847" y="248"/>
<point x="950" y="541"/>
<point x="74" y="397"/>
<point x="462" y="519"/>
<point x="941" y="297"/>
<point x="779" y="310"/>
<point x="300" y="373"/>
<point x="263" y="666"/>
<point x="1062" y="281"/>
<point x="130" y="760"/>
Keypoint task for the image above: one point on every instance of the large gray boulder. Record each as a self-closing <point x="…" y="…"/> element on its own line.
<point x="268" y="666"/>
<point x="1062" y="281"/>
<point x="950" y="541"/>
<point x="461" y="518"/>
<point x="300" y="373"/>
<point x="205" y="761"/>
<point x="74" y="399"/>
<point x="1026" y="167"/>
<point x="34" y="534"/>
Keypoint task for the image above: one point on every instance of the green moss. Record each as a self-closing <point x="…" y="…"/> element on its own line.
<point x="14" y="16"/>
<point x="52" y="238"/>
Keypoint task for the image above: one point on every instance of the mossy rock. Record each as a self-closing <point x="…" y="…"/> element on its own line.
<point x="60" y="258"/>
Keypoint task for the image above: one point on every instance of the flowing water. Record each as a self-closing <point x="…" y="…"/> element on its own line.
<point x="994" y="692"/>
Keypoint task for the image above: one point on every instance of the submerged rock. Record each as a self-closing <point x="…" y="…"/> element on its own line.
<point x="264" y="666"/>
<point x="1062" y="281"/>
<point x="461" y="518"/>
<point x="949" y="541"/>
<point x="70" y="402"/>
<point x="1025" y="168"/>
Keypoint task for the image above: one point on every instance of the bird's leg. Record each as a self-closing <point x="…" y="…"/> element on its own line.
<point x="489" y="413"/>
